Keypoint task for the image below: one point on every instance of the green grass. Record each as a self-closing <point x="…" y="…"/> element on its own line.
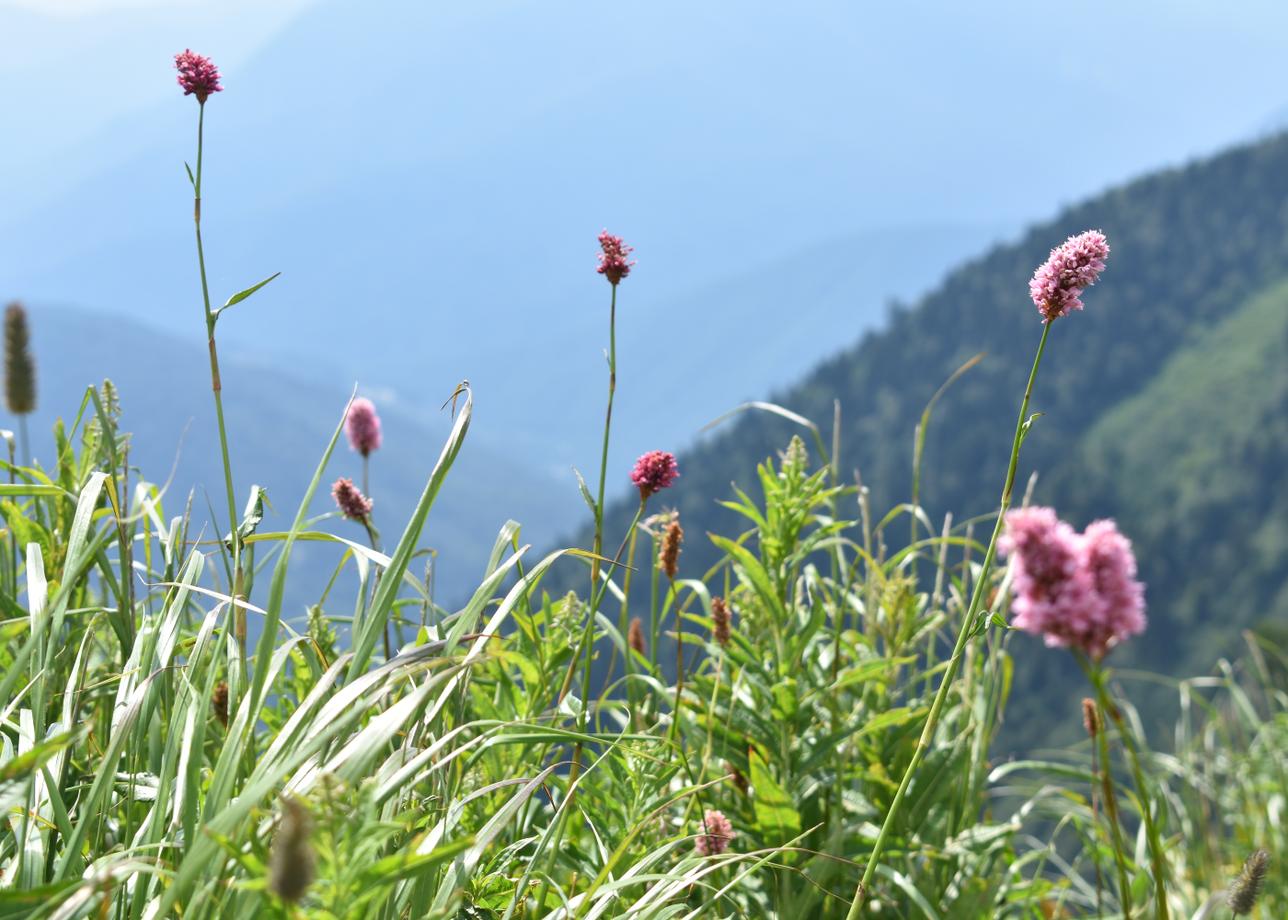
<point x="434" y="781"/>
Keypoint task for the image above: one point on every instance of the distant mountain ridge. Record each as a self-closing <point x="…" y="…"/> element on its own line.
<point x="279" y="424"/>
<point x="429" y="177"/>
<point x="1193" y="249"/>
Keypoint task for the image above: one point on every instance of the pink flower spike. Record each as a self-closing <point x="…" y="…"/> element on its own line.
<point x="716" y="834"/>
<point x="1074" y="265"/>
<point x="351" y="502"/>
<point x="198" y="75"/>
<point x="362" y="425"/>
<point x="614" y="262"/>
<point x="654" y="472"/>
<point x="1075" y="590"/>
<point x="1107" y="556"/>
<point x="1055" y="596"/>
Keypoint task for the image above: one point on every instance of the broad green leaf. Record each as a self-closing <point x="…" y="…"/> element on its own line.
<point x="776" y="815"/>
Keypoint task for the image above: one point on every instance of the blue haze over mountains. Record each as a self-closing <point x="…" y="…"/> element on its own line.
<point x="429" y="178"/>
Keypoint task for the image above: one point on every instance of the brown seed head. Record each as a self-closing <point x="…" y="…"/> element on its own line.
<point x="1090" y="717"/>
<point x="19" y="368"/>
<point x="1245" y="890"/>
<point x="635" y="637"/>
<point x="291" y="864"/>
<point x="219" y="702"/>
<point x="721" y="621"/>
<point x="738" y="778"/>
<point x="669" y="557"/>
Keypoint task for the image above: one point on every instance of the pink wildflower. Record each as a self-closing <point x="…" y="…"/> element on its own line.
<point x="1074" y="590"/>
<point x="198" y="75"/>
<point x="716" y="834"/>
<point x="654" y="471"/>
<point x="614" y="262"/>
<point x="1074" y="265"/>
<point x="351" y="502"/>
<point x="362" y="425"/>
<point x="1108" y="557"/>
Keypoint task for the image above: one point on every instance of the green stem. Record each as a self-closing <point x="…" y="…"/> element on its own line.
<point x="950" y="674"/>
<point x="1157" y="862"/>
<point x="574" y="770"/>
<point x="1111" y="812"/>
<point x="586" y="645"/>
<point x="624" y="626"/>
<point x="216" y="385"/>
<point x="26" y="441"/>
<point x="598" y="545"/>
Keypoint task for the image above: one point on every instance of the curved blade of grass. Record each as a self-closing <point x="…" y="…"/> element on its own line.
<point x="373" y="625"/>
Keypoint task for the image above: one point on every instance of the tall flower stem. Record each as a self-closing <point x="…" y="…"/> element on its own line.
<point x="574" y="770"/>
<point x="963" y="635"/>
<point x="1111" y="812"/>
<point x="585" y="645"/>
<point x="216" y="385"/>
<point x="598" y="545"/>
<point x="628" y="664"/>
<point x="25" y="439"/>
<point x="1096" y="674"/>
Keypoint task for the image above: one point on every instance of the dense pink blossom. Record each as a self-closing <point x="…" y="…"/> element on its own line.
<point x="1074" y="265"/>
<point x="362" y="425"/>
<point x="1108" y="557"/>
<point x="716" y="834"/>
<point x="350" y="500"/>
<point x="614" y="262"/>
<point x="1075" y="590"/>
<point x="654" y="471"/>
<point x="198" y="75"/>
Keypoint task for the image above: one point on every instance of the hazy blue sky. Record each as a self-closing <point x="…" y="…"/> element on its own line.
<point x="430" y="176"/>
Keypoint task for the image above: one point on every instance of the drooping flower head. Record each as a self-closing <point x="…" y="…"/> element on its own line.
<point x="362" y="425"/>
<point x="716" y="834"/>
<point x="198" y="75"/>
<point x="654" y="471"/>
<point x="351" y="502"/>
<point x="1073" y="266"/>
<point x="1075" y="590"/>
<point x="615" y="261"/>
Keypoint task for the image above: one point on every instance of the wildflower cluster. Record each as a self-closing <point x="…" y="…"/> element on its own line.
<point x="1075" y="590"/>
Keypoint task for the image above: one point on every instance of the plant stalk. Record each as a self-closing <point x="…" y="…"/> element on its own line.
<point x="216" y="386"/>
<point x="968" y="622"/>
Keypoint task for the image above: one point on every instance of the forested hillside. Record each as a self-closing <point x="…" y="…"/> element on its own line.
<point x="1163" y="404"/>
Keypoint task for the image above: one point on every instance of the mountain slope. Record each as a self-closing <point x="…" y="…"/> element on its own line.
<point x="278" y="426"/>
<point x="1193" y="248"/>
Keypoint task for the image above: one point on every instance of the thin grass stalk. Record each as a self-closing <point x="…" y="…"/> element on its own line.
<point x="977" y="599"/>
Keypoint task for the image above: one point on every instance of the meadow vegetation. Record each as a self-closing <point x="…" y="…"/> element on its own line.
<point x="802" y="726"/>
